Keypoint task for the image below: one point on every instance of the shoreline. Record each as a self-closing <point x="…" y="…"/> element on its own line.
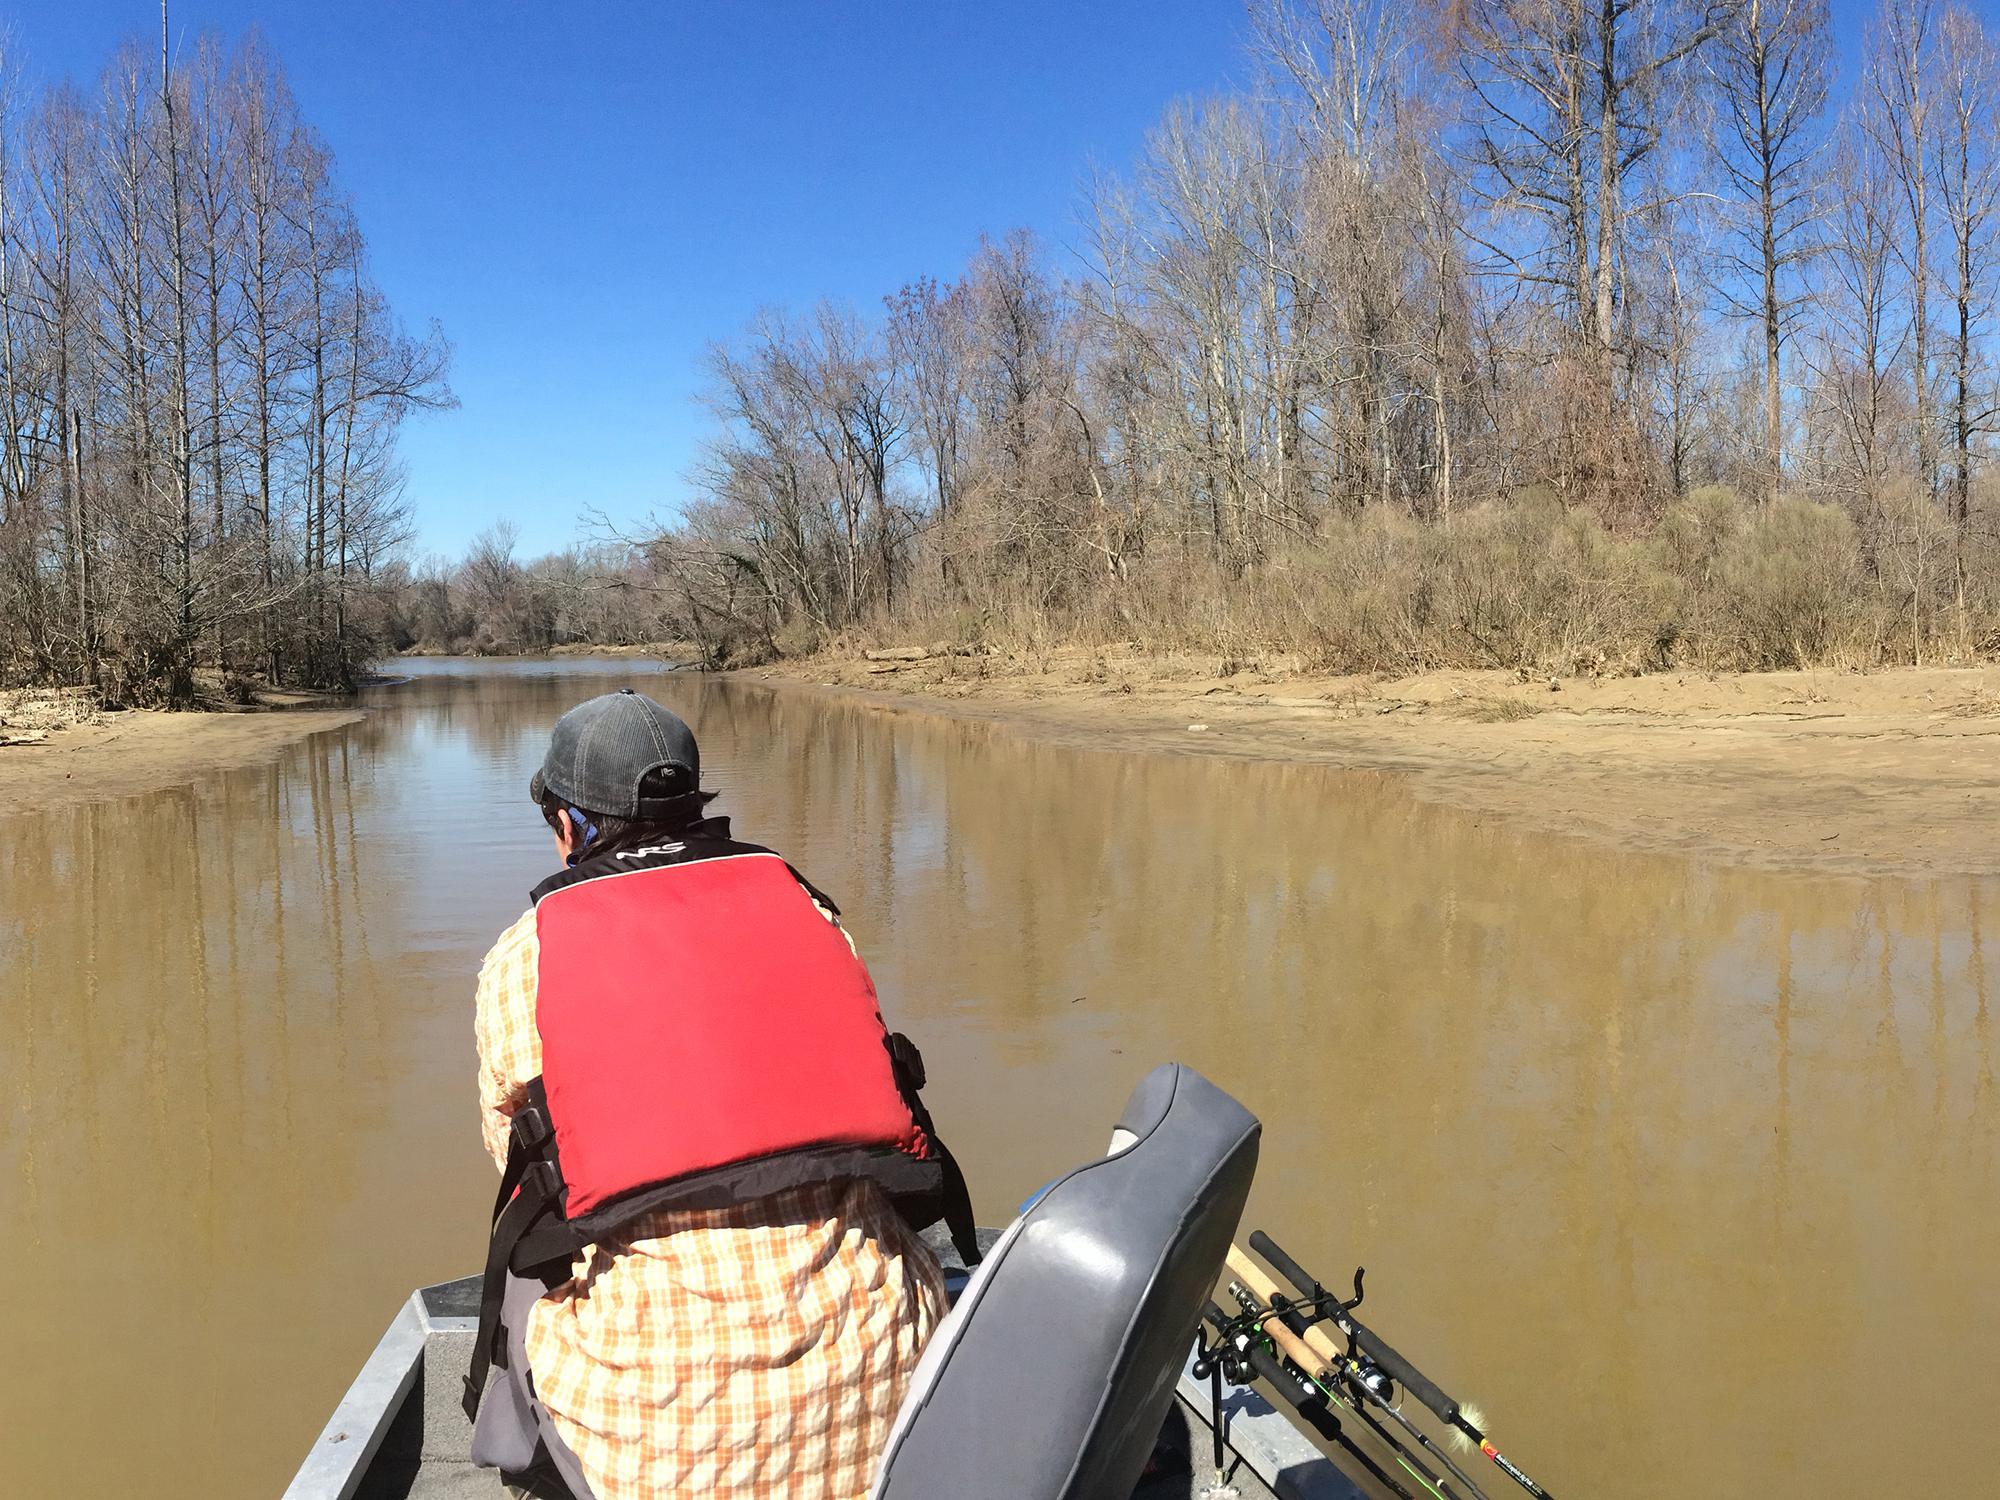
<point x="1892" y="773"/>
<point x="140" y="750"/>
<point x="678" y="653"/>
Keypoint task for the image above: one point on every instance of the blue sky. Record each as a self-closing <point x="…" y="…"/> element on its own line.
<point x="586" y="193"/>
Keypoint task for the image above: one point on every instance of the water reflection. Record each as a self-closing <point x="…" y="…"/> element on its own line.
<point x="1653" y="1156"/>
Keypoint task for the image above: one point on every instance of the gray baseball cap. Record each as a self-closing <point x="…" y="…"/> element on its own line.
<point x="601" y="750"/>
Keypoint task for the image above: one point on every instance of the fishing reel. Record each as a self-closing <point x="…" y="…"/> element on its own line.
<point x="1370" y="1376"/>
<point x="1228" y="1356"/>
<point x="1236" y="1356"/>
<point x="1361" y="1370"/>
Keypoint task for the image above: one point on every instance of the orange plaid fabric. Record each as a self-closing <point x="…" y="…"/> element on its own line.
<point x="759" y="1352"/>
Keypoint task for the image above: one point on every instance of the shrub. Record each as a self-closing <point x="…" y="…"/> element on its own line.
<point x="1787" y="586"/>
<point x="1527" y="582"/>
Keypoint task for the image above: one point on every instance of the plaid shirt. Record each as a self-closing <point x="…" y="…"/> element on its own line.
<point x="758" y="1352"/>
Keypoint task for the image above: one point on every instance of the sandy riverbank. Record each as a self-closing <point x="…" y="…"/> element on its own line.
<point x="670" y="651"/>
<point x="103" y="755"/>
<point x="1884" y="772"/>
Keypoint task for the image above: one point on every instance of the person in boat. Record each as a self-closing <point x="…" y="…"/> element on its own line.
<point x="740" y="1303"/>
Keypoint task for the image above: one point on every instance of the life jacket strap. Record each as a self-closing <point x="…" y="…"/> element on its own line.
<point x="908" y="1064"/>
<point x="530" y="1190"/>
<point x="957" y="1205"/>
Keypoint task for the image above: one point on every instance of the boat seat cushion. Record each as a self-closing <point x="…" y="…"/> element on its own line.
<point x="1052" y="1375"/>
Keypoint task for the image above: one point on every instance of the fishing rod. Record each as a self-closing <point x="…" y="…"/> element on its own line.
<point x="1363" y="1387"/>
<point x="1315" y="1375"/>
<point x="1238" y="1344"/>
<point x="1317" y="1305"/>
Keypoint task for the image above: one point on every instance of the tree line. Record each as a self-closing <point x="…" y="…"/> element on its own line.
<point x="200" y="384"/>
<point x="1473" y="332"/>
<point x="491" y="602"/>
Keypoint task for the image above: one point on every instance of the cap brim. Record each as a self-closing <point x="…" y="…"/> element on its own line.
<point x="536" y="786"/>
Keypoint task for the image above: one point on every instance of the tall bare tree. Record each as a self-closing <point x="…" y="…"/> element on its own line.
<point x="1902" y="116"/>
<point x="1770" y="62"/>
<point x="930" y="335"/>
<point x="1568" y="101"/>
<point x="1965" y="163"/>
<point x="1859" y="344"/>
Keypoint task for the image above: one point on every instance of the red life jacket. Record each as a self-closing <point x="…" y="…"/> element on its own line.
<point x="708" y="1038"/>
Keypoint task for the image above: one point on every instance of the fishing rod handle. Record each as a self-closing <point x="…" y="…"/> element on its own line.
<point x="1288" y="1268"/>
<point x="1303" y="1397"/>
<point x="1378" y="1349"/>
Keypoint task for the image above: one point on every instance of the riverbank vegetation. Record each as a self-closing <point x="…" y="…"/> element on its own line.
<point x="200" y="386"/>
<point x="1468" y="336"/>
<point x="1462" y="337"/>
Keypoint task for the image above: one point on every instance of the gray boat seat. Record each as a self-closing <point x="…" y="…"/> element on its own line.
<point x="1051" y="1377"/>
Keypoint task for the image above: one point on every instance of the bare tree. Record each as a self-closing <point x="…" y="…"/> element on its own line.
<point x="1567" y="104"/>
<point x="266" y="272"/>
<point x="1965" y="163"/>
<point x="1902" y="117"/>
<point x="1770" y="63"/>
<point x="1859" y="344"/>
<point x="930" y="336"/>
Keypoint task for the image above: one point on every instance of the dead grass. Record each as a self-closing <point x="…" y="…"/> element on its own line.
<point x="1716" y="583"/>
<point x="1981" y="705"/>
<point x="36" y="709"/>
<point x="1485" y="709"/>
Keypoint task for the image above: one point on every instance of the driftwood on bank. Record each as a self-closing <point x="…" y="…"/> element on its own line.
<point x="927" y="653"/>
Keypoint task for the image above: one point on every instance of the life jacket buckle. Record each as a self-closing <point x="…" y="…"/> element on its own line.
<point x="907" y="1061"/>
<point x="532" y="1129"/>
<point x="544" y="1176"/>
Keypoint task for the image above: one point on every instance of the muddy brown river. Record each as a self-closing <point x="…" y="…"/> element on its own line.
<point x="1689" y="1176"/>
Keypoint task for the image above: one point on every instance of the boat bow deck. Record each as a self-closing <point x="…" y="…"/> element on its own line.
<point x="400" y="1434"/>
